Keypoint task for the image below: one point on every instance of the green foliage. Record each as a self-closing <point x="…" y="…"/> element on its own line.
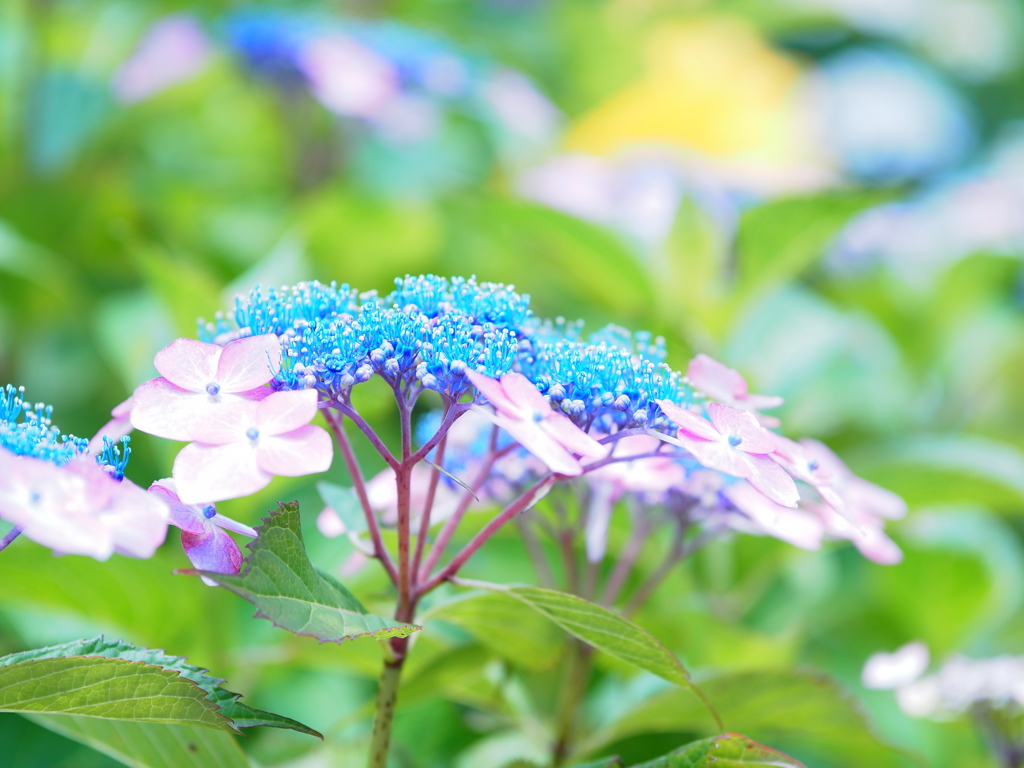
<point x="604" y="630"/>
<point x="512" y="629"/>
<point x="779" y="239"/>
<point x="730" y="750"/>
<point x="804" y="710"/>
<point x="115" y="680"/>
<point x="137" y="688"/>
<point x="139" y="745"/>
<point x="344" y="502"/>
<point x="278" y="578"/>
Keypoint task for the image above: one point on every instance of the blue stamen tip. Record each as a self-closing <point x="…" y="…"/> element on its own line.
<point x="209" y="511"/>
<point x="252" y="433"/>
<point x="213" y="389"/>
<point x="734" y="440"/>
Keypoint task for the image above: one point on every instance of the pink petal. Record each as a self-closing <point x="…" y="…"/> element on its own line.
<point x="52" y="506"/>
<point x="208" y="473"/>
<point x="119" y="426"/>
<point x="524" y="394"/>
<point x="714" y="379"/>
<point x="136" y="519"/>
<point x="599" y="516"/>
<point x="772" y="480"/>
<point x="535" y="440"/>
<point x="212" y="550"/>
<point x="875" y="545"/>
<point x="716" y="455"/>
<point x="689" y="422"/>
<point x="735" y="423"/>
<point x="330" y="524"/>
<point x="572" y="437"/>
<point x="188" y="363"/>
<point x="492" y="392"/>
<point x="795" y="527"/>
<point x="249" y="363"/>
<point x="303" y="451"/>
<point x="226" y="421"/>
<point x="163" y="409"/>
<point x="757" y="402"/>
<point x="284" y="411"/>
<point x="875" y="499"/>
<point x="233" y="525"/>
<point x="187" y="517"/>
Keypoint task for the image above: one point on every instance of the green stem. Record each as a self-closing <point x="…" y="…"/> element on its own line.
<point x="575" y="687"/>
<point x="387" y="696"/>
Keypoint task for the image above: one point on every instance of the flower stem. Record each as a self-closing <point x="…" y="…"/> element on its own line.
<point x="387" y="696"/>
<point x="341" y="437"/>
<point x="521" y="504"/>
<point x="11" y="536"/>
<point x="448" y="529"/>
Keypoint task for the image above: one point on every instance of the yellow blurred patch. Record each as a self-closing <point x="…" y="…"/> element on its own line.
<point x="714" y="86"/>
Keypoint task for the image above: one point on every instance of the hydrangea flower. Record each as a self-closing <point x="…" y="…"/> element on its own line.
<point x="242" y="445"/>
<point x="199" y="379"/>
<point x="203" y="536"/>
<point x="59" y="495"/>
<point x="733" y="442"/>
<point x="521" y="410"/>
<point x="727" y="386"/>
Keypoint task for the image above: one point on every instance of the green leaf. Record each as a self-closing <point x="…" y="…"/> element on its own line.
<point x="96" y="686"/>
<point x="607" y="762"/>
<point x="730" y="750"/>
<point x="781" y="238"/>
<point x="508" y="627"/>
<point x="604" y="630"/>
<point x="288" y="590"/>
<point x="801" y="709"/>
<point x="142" y="745"/>
<point x="224" y="701"/>
<point x="343" y="501"/>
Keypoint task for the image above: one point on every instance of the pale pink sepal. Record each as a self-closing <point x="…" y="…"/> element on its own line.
<point x="522" y="411"/>
<point x="207" y="473"/>
<point x="119" y="425"/>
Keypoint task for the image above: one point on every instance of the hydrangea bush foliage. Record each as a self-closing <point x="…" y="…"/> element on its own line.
<point x="531" y="420"/>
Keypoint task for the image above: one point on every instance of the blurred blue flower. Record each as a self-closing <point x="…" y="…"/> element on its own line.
<point x="888" y="118"/>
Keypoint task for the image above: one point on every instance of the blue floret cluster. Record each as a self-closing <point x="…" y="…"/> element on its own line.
<point x="431" y="330"/>
<point x="27" y="430"/>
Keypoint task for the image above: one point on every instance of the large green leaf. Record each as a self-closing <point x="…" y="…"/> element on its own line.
<point x="96" y="686"/>
<point x="730" y="750"/>
<point x="511" y="629"/>
<point x="604" y="630"/>
<point x="803" y="710"/>
<point x="781" y="238"/>
<point x="223" y="701"/>
<point x="142" y="745"/>
<point x="287" y="589"/>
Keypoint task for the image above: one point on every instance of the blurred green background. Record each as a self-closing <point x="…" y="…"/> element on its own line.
<point x="825" y="194"/>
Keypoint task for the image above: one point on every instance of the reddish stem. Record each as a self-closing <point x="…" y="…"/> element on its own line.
<point x="513" y="509"/>
<point x="341" y="437"/>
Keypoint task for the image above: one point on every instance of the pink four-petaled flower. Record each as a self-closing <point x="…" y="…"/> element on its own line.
<point x="197" y="379"/>
<point x="521" y="410"/>
<point x="242" y="445"/>
<point x="727" y="385"/>
<point x="78" y="508"/>
<point x="734" y="443"/>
